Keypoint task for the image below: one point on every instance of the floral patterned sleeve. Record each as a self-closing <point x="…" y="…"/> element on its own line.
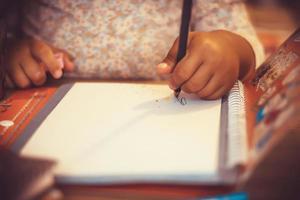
<point x="125" y="39"/>
<point x="228" y="15"/>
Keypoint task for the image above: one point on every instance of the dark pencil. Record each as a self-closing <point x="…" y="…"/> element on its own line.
<point x="183" y="35"/>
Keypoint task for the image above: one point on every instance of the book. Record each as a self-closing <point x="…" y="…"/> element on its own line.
<point x="23" y="178"/>
<point x="112" y="133"/>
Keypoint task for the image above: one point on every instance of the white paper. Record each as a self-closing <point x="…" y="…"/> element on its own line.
<point x="128" y="130"/>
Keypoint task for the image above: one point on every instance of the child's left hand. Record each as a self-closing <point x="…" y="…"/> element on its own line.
<point x="213" y="62"/>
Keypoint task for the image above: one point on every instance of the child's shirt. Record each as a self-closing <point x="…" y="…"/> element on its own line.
<point x="117" y="39"/>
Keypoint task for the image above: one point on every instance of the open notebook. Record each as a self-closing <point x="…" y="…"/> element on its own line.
<point x="123" y="132"/>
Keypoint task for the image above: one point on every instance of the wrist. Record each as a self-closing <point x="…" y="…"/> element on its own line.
<point x="245" y="54"/>
<point x="247" y="58"/>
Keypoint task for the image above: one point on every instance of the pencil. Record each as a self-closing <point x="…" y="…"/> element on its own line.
<point x="183" y="35"/>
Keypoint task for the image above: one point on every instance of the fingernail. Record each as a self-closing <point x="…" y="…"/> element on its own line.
<point x="59" y="59"/>
<point x="57" y="74"/>
<point x="162" y="65"/>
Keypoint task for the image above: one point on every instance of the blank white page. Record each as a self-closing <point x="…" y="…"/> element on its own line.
<point x="114" y="132"/>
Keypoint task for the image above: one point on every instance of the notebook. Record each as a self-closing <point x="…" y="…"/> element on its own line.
<point x="112" y="133"/>
<point x="24" y="177"/>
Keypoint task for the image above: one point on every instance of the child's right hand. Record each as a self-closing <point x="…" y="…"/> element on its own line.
<point x="29" y="60"/>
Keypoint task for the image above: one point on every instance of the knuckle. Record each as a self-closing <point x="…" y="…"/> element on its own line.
<point x="181" y="73"/>
<point x="210" y="47"/>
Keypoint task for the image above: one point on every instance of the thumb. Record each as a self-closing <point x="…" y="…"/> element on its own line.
<point x="163" y="68"/>
<point x="169" y="62"/>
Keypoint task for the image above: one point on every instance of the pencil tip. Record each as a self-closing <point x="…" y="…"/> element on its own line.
<point x="177" y="92"/>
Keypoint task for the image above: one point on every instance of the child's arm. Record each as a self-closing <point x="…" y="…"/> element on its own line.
<point x="214" y="61"/>
<point x="28" y="60"/>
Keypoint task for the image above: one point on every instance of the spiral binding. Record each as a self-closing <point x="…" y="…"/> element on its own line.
<point x="236" y="129"/>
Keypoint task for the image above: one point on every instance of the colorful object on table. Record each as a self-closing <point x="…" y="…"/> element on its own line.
<point x="233" y="196"/>
<point x="23" y="114"/>
<point x="6" y="123"/>
<point x="260" y="115"/>
<point x="19" y="107"/>
<point x="263" y="140"/>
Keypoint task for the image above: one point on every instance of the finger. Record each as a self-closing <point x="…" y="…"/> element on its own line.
<point x="218" y="94"/>
<point x="18" y="76"/>
<point x="170" y="59"/>
<point x="185" y="69"/>
<point x="60" y="59"/>
<point x="163" y="69"/>
<point x="68" y="63"/>
<point x="199" y="80"/>
<point x="212" y="86"/>
<point x="45" y="54"/>
<point x="169" y="62"/>
<point x="35" y="72"/>
<point x="68" y="59"/>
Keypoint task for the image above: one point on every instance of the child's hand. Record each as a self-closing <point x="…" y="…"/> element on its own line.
<point x="29" y="60"/>
<point x="213" y="62"/>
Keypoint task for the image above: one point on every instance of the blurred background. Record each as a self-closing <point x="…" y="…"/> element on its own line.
<point x="274" y="20"/>
<point x="274" y="14"/>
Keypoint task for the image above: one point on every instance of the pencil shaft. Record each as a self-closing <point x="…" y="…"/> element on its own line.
<point x="184" y="32"/>
<point x="184" y="28"/>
